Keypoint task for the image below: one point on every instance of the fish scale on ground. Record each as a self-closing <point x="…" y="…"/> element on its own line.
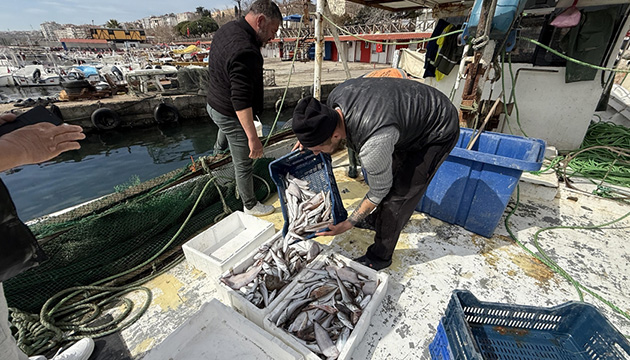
<point x="325" y="306"/>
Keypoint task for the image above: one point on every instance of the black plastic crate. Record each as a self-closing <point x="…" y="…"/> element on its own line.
<point x="493" y="331"/>
<point x="317" y="170"/>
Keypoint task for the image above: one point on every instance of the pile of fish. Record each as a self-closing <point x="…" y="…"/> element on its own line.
<point x="324" y="307"/>
<point x="274" y="266"/>
<point x="308" y="212"/>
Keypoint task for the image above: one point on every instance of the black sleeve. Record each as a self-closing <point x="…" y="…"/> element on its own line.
<point x="243" y="69"/>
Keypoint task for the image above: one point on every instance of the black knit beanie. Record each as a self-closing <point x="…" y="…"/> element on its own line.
<point x="313" y="122"/>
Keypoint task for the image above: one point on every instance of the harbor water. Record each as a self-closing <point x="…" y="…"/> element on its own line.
<point x="112" y="160"/>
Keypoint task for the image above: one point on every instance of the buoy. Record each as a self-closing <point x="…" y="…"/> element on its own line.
<point x="164" y="113"/>
<point x="105" y="119"/>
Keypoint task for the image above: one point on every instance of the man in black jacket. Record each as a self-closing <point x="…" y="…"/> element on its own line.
<point x="402" y="130"/>
<point x="235" y="92"/>
<point x="28" y="145"/>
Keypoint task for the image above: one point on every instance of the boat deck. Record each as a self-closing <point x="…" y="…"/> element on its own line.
<point x="432" y="259"/>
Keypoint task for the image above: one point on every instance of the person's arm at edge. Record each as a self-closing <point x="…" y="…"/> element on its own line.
<point x="37" y="143"/>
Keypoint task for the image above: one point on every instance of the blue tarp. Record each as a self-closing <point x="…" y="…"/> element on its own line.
<point x="88" y="70"/>
<point x="295" y="17"/>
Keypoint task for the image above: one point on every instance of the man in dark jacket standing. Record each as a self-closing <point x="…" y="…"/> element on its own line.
<point x="235" y="92"/>
<point x="402" y="130"/>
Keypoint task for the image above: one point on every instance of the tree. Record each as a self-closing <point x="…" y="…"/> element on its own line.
<point x="199" y="27"/>
<point x="112" y="24"/>
<point x="182" y="27"/>
<point x="203" y="11"/>
<point x="163" y="34"/>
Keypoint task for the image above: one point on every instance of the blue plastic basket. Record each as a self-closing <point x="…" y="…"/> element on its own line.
<point x="472" y="187"/>
<point x="439" y="348"/>
<point x="574" y="330"/>
<point x="317" y="171"/>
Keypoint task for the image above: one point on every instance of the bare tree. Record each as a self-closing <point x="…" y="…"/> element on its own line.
<point x="163" y="34"/>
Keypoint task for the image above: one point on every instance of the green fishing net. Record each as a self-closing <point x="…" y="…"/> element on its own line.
<point x="109" y="236"/>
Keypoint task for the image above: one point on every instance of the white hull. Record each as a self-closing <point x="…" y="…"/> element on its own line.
<point x="44" y="81"/>
<point x="6" y="80"/>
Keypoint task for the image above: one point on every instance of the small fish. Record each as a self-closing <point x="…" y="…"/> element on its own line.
<point x="324" y="342"/>
<point x="344" y="320"/>
<point x="369" y="288"/>
<point x="298" y="323"/>
<point x="238" y="281"/>
<point x="343" y="338"/>
<point x="364" y="303"/>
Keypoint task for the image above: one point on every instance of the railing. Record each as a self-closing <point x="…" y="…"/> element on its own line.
<point x="408" y="25"/>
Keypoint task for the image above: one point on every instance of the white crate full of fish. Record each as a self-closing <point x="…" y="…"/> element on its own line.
<point x="218" y="332"/>
<point x="254" y="285"/>
<point x="328" y="308"/>
<point x="220" y="247"/>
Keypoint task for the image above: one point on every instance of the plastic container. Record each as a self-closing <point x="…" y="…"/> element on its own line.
<point x="472" y="187"/>
<point x="220" y="247"/>
<point x="359" y="329"/>
<point x="439" y="348"/>
<point x="218" y="332"/>
<point x="317" y="170"/>
<point x="574" y="330"/>
<point x="504" y="13"/>
<point x="235" y="298"/>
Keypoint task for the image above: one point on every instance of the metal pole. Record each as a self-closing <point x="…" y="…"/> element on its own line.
<point x="319" y="50"/>
<point x="340" y="49"/>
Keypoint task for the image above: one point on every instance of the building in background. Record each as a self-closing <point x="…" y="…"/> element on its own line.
<point x="48" y="30"/>
<point x="185" y="16"/>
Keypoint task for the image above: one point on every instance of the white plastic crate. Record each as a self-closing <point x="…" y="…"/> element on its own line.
<point x="218" y="332"/>
<point x="220" y="247"/>
<point x="359" y="329"/>
<point x="236" y="299"/>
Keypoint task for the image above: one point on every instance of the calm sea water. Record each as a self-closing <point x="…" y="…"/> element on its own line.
<point x="109" y="159"/>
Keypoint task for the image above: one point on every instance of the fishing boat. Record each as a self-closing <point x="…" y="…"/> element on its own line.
<point x="6" y="77"/>
<point x="36" y="75"/>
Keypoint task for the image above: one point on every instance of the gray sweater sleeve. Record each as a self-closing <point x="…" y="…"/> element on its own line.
<point x="376" y="160"/>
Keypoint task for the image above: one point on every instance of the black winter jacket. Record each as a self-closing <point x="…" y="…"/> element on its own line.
<point x="422" y="114"/>
<point x="235" y="65"/>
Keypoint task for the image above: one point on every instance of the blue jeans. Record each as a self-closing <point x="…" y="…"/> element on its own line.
<point x="231" y="134"/>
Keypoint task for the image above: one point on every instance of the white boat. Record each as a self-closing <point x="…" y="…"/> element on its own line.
<point x="6" y="77"/>
<point x="35" y="75"/>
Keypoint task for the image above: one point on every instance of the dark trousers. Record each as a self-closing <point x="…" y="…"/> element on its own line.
<point x="413" y="171"/>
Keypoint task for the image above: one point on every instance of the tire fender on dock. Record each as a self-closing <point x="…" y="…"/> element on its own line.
<point x="164" y="113"/>
<point x="105" y="119"/>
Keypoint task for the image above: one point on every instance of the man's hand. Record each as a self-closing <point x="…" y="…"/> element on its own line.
<point x="340" y="228"/>
<point x="41" y="142"/>
<point x="297" y="145"/>
<point x="255" y="148"/>
<point x="7" y="117"/>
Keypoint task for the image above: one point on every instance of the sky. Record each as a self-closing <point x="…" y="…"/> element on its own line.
<point x="28" y="14"/>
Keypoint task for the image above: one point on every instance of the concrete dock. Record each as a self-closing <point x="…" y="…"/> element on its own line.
<point x="434" y="258"/>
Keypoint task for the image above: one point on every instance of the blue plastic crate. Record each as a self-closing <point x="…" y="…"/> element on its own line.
<point x="439" y="348"/>
<point x="317" y="170"/>
<point x="571" y="331"/>
<point x="472" y="187"/>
